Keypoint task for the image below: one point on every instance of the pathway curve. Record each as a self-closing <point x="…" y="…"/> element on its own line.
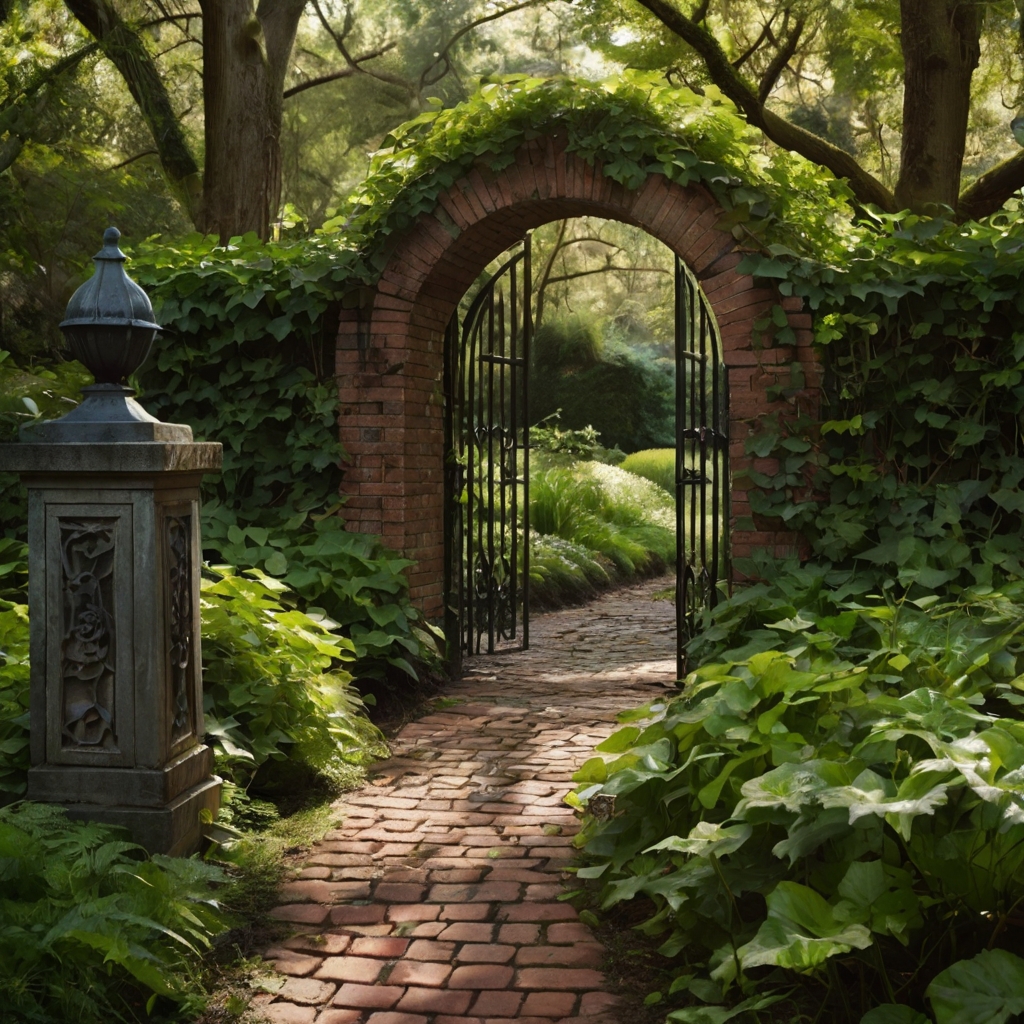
<point x="436" y="902"/>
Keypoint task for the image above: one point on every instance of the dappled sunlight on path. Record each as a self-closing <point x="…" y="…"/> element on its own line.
<point x="436" y="901"/>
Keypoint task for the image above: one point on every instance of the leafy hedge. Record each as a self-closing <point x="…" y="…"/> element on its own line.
<point x="837" y="790"/>
<point x="915" y="466"/>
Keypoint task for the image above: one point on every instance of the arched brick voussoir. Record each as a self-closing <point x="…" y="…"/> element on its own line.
<point x="390" y="355"/>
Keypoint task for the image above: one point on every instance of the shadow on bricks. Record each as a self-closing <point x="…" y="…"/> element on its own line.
<point x="437" y="900"/>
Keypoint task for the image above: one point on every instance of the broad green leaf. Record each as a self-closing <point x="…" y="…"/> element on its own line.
<point x="893" y="1013"/>
<point x="988" y="989"/>
<point x="800" y="932"/>
<point x="706" y="838"/>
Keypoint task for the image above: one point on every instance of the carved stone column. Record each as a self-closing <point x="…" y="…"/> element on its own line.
<point x="116" y="715"/>
<point x="117" y="701"/>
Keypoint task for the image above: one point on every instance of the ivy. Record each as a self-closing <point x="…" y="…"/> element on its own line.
<point x="916" y="467"/>
<point x="631" y="126"/>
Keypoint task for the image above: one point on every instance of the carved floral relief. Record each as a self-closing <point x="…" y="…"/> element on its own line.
<point x="88" y="633"/>
<point x="179" y="560"/>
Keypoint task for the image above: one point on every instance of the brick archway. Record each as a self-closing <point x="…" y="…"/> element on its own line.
<point x="390" y="348"/>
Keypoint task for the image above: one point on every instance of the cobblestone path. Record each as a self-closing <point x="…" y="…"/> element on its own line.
<point x="436" y="901"/>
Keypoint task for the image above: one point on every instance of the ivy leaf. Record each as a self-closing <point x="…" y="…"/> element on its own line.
<point x="988" y="989"/>
<point x="276" y="564"/>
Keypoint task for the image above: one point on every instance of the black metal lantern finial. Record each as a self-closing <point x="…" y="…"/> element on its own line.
<point x="109" y="328"/>
<point x="109" y="321"/>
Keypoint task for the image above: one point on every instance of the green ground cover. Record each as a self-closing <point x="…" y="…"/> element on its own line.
<point x="593" y="524"/>
<point x="830" y="814"/>
<point x="656" y="464"/>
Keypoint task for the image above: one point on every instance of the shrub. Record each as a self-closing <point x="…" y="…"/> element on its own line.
<point x="567" y="344"/>
<point x="835" y="792"/>
<point x="90" y="928"/>
<point x="275" y="693"/>
<point x="626" y="395"/>
<point x="584" y="444"/>
<point x="655" y="464"/>
<point x="594" y="524"/>
<point x="277" y="698"/>
<point x="562" y="572"/>
<point x="14" y="698"/>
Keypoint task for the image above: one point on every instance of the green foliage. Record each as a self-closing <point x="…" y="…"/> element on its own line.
<point x="584" y="444"/>
<point x="29" y="393"/>
<point x="593" y="524"/>
<point x="14" y="696"/>
<point x="90" y="928"/>
<point x="634" y="124"/>
<point x="567" y="344"/>
<point x="280" y="707"/>
<point x="836" y="791"/>
<point x="988" y="989"/>
<point x="563" y="573"/>
<point x="256" y="373"/>
<point x="655" y="464"/>
<point x="626" y="395"/>
<point x="274" y="691"/>
<point x="588" y="505"/>
<point x="916" y="468"/>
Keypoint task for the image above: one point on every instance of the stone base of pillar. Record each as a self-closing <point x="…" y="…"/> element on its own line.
<point x="161" y="807"/>
<point x="175" y="829"/>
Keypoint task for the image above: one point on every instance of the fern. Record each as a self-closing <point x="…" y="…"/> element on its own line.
<point x="90" y="928"/>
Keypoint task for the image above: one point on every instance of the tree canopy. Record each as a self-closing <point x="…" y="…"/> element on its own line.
<point x="230" y="116"/>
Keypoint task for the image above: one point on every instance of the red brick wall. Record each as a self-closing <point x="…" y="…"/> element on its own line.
<point x="389" y="357"/>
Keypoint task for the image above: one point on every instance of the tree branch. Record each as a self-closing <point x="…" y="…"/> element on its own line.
<point x="18" y="117"/>
<point x="131" y="160"/>
<point x="334" y="76"/>
<point x="442" y="57"/>
<point x="339" y="42"/>
<point x="126" y="50"/>
<point x="866" y="188"/>
<point x="987" y="194"/>
<point x="752" y="49"/>
<point x="606" y="270"/>
<point x="779" y="62"/>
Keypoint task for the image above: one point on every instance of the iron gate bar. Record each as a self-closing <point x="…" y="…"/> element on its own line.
<point x="701" y="459"/>
<point x="486" y="387"/>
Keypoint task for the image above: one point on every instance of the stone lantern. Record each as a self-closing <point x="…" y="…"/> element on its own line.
<point x="116" y="715"/>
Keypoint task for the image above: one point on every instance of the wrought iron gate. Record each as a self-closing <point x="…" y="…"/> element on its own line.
<point x="702" y="460"/>
<point x="487" y="511"/>
<point x="487" y="515"/>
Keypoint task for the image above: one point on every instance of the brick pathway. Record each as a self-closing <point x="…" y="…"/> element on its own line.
<point x="437" y="902"/>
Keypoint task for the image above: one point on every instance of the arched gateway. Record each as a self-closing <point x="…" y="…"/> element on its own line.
<point x="390" y="356"/>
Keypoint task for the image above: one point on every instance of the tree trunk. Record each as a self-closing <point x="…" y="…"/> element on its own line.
<point x="941" y="42"/>
<point x="245" y="58"/>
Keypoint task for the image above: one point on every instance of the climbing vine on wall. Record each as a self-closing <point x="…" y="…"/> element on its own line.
<point x="917" y="462"/>
<point x="631" y="125"/>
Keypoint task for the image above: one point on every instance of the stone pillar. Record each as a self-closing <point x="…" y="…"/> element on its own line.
<point x="116" y="670"/>
<point x="116" y="712"/>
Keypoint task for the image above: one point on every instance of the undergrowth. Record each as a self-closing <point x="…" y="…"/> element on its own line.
<point x="91" y="929"/>
<point x="829" y="817"/>
<point x="655" y="464"/>
<point x="594" y="525"/>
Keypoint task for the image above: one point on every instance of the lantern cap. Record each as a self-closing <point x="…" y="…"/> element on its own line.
<point x="110" y="297"/>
